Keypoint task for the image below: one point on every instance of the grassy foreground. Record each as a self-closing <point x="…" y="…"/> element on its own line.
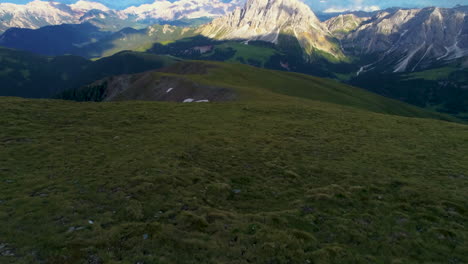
<point x="287" y="181"/>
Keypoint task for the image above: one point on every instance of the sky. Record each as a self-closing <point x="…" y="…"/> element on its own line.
<point x="317" y="5"/>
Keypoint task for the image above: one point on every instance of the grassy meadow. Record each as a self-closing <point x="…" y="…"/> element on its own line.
<point x="279" y="181"/>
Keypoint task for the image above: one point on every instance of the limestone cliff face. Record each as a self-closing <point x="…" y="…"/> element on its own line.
<point x="410" y="40"/>
<point x="268" y="20"/>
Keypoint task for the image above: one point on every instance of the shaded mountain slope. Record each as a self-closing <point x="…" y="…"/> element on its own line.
<point x="28" y="75"/>
<point x="52" y="40"/>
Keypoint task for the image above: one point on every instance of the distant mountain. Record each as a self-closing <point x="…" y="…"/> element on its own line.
<point x="28" y="75"/>
<point x="277" y="21"/>
<point x="39" y="13"/>
<point x="133" y="39"/>
<point x="410" y="40"/>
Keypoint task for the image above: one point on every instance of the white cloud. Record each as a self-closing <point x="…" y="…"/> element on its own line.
<point x="335" y="10"/>
<point x="357" y="5"/>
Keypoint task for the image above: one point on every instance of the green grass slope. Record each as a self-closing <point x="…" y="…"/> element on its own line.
<point x="257" y="84"/>
<point x="253" y="181"/>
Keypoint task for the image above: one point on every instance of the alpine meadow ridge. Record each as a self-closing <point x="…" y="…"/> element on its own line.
<point x="254" y="131"/>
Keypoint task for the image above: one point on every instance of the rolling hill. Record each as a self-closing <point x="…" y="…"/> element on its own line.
<point x="217" y="81"/>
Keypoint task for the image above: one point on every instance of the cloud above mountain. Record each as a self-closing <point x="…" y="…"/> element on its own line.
<point x="373" y="5"/>
<point x="318" y="5"/>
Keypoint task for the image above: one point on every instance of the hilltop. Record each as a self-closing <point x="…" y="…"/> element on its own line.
<point x="218" y="81"/>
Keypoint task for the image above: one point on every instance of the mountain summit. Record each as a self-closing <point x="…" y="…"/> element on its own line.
<point x="274" y="21"/>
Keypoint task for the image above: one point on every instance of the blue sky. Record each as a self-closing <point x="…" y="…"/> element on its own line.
<point x="318" y="5"/>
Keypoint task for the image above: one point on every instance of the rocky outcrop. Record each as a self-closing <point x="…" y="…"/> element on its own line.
<point x="168" y="84"/>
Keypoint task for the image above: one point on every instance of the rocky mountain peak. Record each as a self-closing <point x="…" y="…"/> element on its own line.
<point x="279" y="11"/>
<point x="270" y="20"/>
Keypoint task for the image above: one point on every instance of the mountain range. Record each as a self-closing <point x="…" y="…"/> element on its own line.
<point x="39" y="13"/>
<point x="412" y="39"/>
<point x="393" y="40"/>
